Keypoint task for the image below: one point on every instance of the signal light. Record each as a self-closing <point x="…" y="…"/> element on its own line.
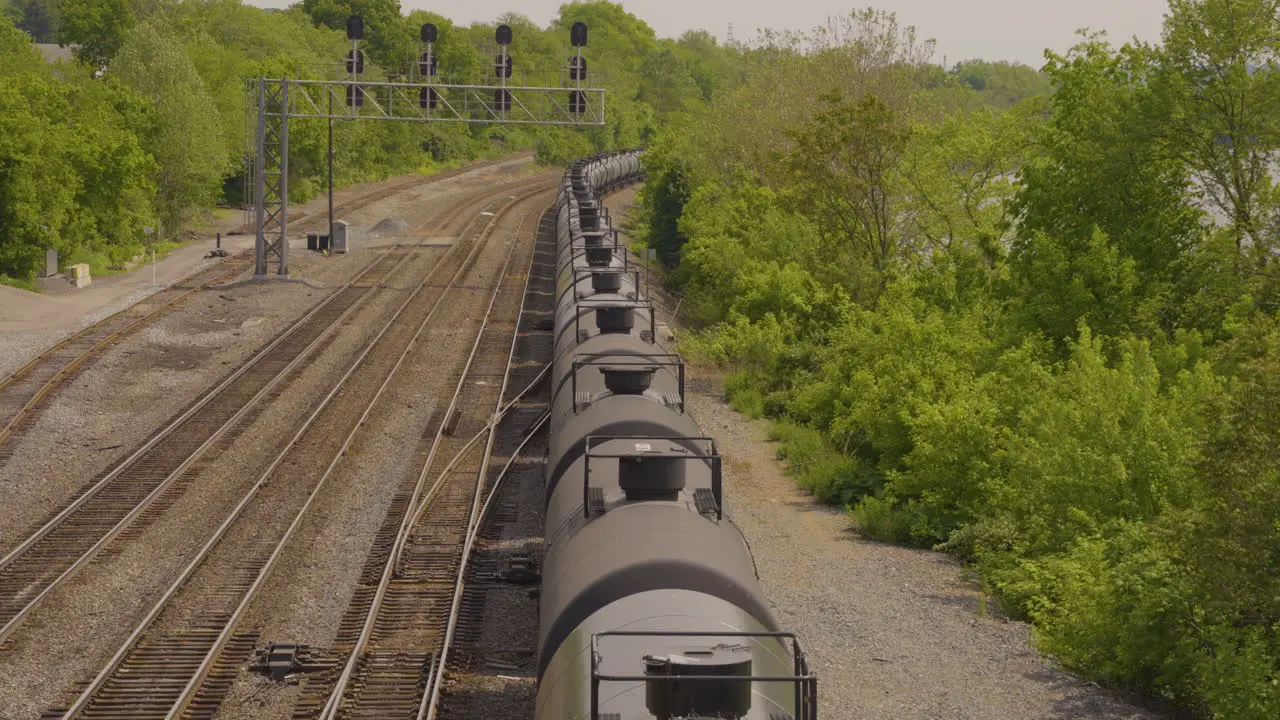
<point x="577" y="102"/>
<point x="503" y="35"/>
<point x="502" y="66"/>
<point x="578" y="34"/>
<point x="428" y="99"/>
<point x="428" y="33"/>
<point x="577" y="68"/>
<point x="428" y="64"/>
<point x="355" y="28"/>
<point x="502" y="100"/>
<point x="358" y="66"/>
<point x="355" y="96"/>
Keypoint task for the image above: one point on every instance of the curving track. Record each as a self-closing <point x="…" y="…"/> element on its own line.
<point x="395" y="634"/>
<point x="107" y="507"/>
<point x="103" y="510"/>
<point x="26" y="392"/>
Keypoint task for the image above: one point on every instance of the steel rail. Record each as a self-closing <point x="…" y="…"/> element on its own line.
<point x="430" y="700"/>
<point x="374" y="195"/>
<point x="106" y="340"/>
<point x="194" y="456"/>
<point x="82" y="331"/>
<point x="165" y="432"/>
<point x="188" y="692"/>
<point x="489" y="425"/>
<point x="334" y="705"/>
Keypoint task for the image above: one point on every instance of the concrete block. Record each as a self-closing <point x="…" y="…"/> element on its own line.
<point x="79" y="275"/>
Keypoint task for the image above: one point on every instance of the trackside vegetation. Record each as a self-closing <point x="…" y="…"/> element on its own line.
<point x="1029" y="319"/>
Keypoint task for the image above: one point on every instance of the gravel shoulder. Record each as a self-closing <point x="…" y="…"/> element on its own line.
<point x="893" y="633"/>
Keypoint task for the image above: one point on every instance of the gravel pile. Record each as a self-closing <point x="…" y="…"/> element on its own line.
<point x="390" y="225"/>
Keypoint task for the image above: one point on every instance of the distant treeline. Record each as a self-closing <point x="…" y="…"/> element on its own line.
<point x="149" y="127"/>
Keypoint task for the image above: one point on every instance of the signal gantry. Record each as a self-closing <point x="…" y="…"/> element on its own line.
<point x="426" y="96"/>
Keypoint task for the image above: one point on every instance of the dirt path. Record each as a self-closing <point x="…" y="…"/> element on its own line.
<point x="893" y="633"/>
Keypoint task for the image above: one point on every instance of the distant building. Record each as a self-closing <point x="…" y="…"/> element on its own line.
<point x="53" y="53"/>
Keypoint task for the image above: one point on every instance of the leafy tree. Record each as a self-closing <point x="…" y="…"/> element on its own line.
<point x="843" y="165"/>
<point x="97" y="27"/>
<point x="1002" y="84"/>
<point x="1220" y="94"/>
<point x="387" y="37"/>
<point x="37" y="17"/>
<point x="1100" y="197"/>
<point x="184" y="134"/>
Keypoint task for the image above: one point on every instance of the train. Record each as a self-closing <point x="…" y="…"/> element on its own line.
<point x="650" y="604"/>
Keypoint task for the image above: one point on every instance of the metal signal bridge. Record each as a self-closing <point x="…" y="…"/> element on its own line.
<point x="424" y="98"/>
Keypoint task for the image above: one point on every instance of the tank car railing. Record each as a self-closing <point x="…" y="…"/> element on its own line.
<point x="634" y="269"/>
<point x="803" y="678"/>
<point x="580" y="274"/>
<point x="578" y="240"/>
<point x="579" y="252"/>
<point x="602" y="361"/>
<point x="587" y="304"/>
<point x="713" y="455"/>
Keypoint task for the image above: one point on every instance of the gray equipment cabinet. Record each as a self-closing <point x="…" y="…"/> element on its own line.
<point x="341" y="236"/>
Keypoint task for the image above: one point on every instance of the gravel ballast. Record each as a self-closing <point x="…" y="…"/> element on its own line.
<point x="136" y="386"/>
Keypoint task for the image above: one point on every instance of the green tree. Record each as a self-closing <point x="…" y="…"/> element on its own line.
<point x="843" y="166"/>
<point x="388" y="40"/>
<point x="1220" y="94"/>
<point x="185" y="132"/>
<point x="97" y="27"/>
<point x="1100" y="197"/>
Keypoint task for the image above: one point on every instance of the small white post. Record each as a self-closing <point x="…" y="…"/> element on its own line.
<point x="153" y="267"/>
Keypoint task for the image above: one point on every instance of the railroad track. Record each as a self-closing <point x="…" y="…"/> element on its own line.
<point x="381" y="193"/>
<point x="185" y="653"/>
<point x="143" y="483"/>
<point x="506" y="537"/>
<point x="391" y="640"/>
<point x="27" y="392"/>
<point x="73" y="536"/>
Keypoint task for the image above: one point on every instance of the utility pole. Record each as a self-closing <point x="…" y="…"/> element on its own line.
<point x="330" y="169"/>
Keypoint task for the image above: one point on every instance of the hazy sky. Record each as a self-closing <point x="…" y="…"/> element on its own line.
<point x="992" y="29"/>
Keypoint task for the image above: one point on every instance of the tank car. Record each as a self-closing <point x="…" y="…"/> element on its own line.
<point x="650" y="604"/>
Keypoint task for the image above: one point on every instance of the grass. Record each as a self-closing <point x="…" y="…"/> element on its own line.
<point x="20" y="283"/>
<point x="101" y="265"/>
